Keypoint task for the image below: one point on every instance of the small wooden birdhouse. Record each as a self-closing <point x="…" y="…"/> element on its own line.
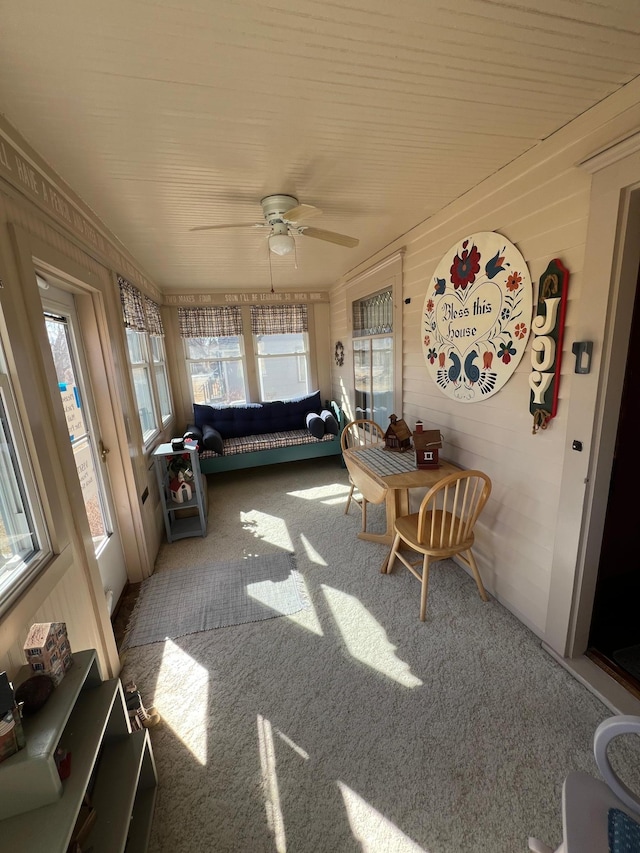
<point x="180" y="491"/>
<point x="398" y="435"/>
<point x="47" y="649"/>
<point x="427" y="442"/>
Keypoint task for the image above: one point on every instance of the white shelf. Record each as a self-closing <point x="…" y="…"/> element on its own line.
<point x="88" y="718"/>
<point x="176" y="525"/>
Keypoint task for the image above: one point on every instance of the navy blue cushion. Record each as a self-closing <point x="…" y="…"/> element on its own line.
<point x="315" y="425"/>
<point x="257" y="418"/>
<point x="624" y="833"/>
<point x="230" y="421"/>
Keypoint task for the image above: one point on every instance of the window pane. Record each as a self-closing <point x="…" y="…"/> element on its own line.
<point x="20" y="549"/>
<point x="382" y="379"/>
<point x="362" y="378"/>
<point x="91" y="493"/>
<point x="281" y="344"/>
<point x="162" y="385"/>
<point x="59" y="334"/>
<point x="214" y="348"/>
<point x="142" y="388"/>
<point x="137" y="347"/>
<point x="217" y="382"/>
<point x="283" y="377"/>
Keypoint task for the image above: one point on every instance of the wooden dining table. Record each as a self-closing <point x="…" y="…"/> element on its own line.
<point x="387" y="476"/>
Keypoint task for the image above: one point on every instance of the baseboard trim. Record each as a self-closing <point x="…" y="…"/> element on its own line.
<point x="595" y="679"/>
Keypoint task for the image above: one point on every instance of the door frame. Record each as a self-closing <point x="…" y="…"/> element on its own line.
<point x="602" y="315"/>
<point x="92" y="317"/>
<point x="98" y="307"/>
<point x="64" y="299"/>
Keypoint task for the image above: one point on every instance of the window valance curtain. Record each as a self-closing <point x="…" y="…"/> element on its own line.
<point x="154" y="320"/>
<point x="210" y="322"/>
<point x="279" y="319"/>
<point x="132" y="302"/>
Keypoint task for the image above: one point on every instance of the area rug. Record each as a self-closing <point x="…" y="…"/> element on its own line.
<point x="188" y="600"/>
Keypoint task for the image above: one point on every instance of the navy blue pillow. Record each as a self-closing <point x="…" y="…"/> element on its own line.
<point x="231" y="421"/>
<point x="211" y="439"/>
<point x="315" y="424"/>
<point x="292" y="414"/>
<point x="330" y="423"/>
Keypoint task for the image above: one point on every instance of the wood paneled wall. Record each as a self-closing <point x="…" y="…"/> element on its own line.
<point x="540" y="202"/>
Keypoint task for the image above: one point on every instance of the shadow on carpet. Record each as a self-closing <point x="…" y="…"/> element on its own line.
<point x="185" y="601"/>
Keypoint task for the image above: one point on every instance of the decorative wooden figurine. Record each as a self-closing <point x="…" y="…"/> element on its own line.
<point x="427" y="443"/>
<point x="398" y="435"/>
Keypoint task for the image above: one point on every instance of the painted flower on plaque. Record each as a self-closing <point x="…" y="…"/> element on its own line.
<point x="476" y="316"/>
<point x="465" y="266"/>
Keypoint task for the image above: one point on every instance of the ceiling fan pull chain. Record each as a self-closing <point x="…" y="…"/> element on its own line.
<point x="270" y="270"/>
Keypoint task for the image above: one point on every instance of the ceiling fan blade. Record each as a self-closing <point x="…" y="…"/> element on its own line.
<point x="231" y="225"/>
<point x="301" y="211"/>
<point x="329" y="236"/>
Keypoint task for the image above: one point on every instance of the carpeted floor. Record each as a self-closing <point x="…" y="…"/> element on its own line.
<point x="351" y="726"/>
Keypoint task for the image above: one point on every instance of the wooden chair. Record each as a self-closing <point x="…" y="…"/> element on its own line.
<point x="443" y="527"/>
<point x="360" y="433"/>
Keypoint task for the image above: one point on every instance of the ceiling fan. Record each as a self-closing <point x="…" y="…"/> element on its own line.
<point x="282" y="213"/>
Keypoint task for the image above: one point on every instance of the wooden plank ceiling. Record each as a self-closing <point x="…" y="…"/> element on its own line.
<point x="168" y="114"/>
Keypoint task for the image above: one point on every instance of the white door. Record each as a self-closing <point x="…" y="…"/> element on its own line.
<point x="65" y="339"/>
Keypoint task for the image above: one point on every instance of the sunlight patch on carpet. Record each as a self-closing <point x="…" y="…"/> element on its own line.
<point x="269" y="528"/>
<point x="365" y="638"/>
<point x="275" y="818"/>
<point x="313" y="555"/>
<point x="372" y="829"/>
<point x="329" y="494"/>
<point x="306" y="618"/>
<point x="187" y="719"/>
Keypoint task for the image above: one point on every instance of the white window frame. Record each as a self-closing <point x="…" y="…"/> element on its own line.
<point x="302" y="357"/>
<point x="160" y="366"/>
<point x="242" y="359"/>
<point x="382" y="276"/>
<point x="32" y="562"/>
<point x="147" y="367"/>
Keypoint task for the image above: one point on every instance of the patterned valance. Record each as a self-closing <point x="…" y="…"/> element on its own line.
<point x="154" y="320"/>
<point x="210" y="322"/>
<point x="132" y="306"/>
<point x="279" y="319"/>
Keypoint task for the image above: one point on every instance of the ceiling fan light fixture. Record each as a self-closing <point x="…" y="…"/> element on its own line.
<point x="281" y="244"/>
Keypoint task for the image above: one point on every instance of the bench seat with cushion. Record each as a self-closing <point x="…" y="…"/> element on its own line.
<point x="252" y="434"/>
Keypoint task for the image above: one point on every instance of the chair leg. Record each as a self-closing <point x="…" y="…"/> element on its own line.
<point x="364" y="514"/>
<point x="392" y="554"/>
<point x="476" y="575"/>
<point x="425" y="587"/>
<point x="346" y="509"/>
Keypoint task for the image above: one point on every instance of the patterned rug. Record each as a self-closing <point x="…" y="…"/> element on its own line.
<point x="187" y="600"/>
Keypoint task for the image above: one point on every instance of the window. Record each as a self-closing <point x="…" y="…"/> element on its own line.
<point x="373" y="357"/>
<point x="214" y="353"/>
<point x="281" y="342"/>
<point x="141" y="375"/>
<point x="23" y="541"/>
<point x="145" y="343"/>
<point x="158" y="358"/>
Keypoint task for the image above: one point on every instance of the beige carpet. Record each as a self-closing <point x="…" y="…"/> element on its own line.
<point x="351" y="726"/>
